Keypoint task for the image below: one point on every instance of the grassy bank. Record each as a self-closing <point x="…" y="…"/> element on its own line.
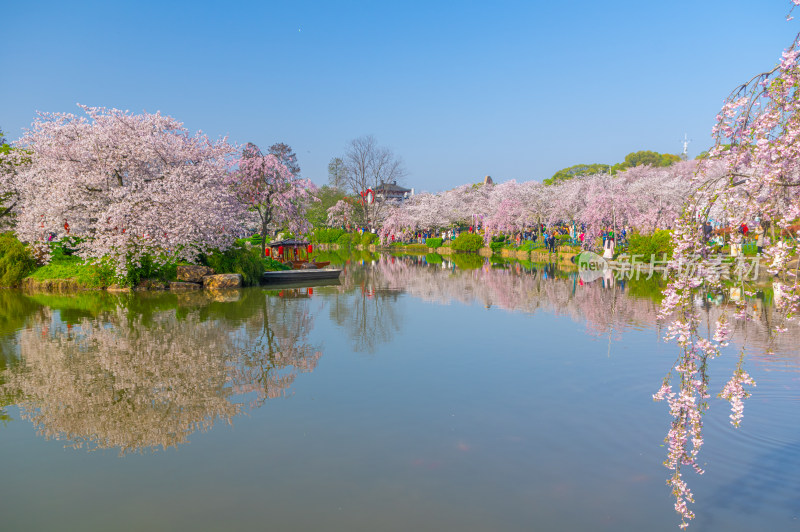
<point x="18" y="267"/>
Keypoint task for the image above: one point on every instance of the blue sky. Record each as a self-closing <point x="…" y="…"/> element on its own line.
<point x="459" y="90"/>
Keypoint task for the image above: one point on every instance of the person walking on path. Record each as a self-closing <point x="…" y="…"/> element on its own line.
<point x="608" y="245"/>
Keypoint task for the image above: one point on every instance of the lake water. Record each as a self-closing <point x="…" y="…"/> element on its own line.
<point x="413" y="396"/>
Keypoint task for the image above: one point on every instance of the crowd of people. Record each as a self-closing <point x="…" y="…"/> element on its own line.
<point x="550" y="237"/>
<point x="608" y="242"/>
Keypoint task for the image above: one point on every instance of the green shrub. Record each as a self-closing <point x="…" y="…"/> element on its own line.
<point x="272" y="265"/>
<point x="529" y="245"/>
<point x="344" y="240"/>
<point x="468" y="242"/>
<point x="66" y="246"/>
<point x="658" y="243"/>
<point x="368" y="238"/>
<point x="16" y="261"/>
<point x="496" y="245"/>
<point x="324" y="235"/>
<point x="147" y="268"/>
<point x="237" y="259"/>
<point x="336" y="258"/>
<point x="433" y="242"/>
<point x="255" y="240"/>
<point x="749" y="249"/>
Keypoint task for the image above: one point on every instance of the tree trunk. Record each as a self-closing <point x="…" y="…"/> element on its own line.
<point x="266" y="218"/>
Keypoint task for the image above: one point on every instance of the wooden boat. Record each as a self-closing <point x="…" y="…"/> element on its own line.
<point x="280" y="285"/>
<point x="300" y="276"/>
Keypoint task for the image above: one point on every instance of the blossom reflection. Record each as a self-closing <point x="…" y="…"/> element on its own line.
<point x="608" y="307"/>
<point x="138" y="382"/>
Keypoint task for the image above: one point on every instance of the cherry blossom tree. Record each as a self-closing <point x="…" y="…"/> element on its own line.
<point x="127" y="186"/>
<point x="11" y="161"/>
<point x="507" y="213"/>
<point x="659" y="194"/>
<point x="341" y="214"/>
<point x="272" y="194"/>
<point x="643" y="197"/>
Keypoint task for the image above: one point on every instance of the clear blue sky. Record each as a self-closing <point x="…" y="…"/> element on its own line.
<point x="459" y="90"/>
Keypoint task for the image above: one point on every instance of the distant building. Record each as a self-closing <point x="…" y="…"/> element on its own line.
<point x="488" y="180"/>
<point x="392" y="192"/>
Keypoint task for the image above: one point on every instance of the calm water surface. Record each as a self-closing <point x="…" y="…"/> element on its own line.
<point x="414" y="396"/>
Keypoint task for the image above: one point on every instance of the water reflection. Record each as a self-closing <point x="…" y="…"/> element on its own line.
<point x="145" y="371"/>
<point x="273" y="348"/>
<point x="365" y="305"/>
<point x="134" y="380"/>
<point x="607" y="306"/>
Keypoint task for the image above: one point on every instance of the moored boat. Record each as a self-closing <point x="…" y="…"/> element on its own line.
<point x="299" y="276"/>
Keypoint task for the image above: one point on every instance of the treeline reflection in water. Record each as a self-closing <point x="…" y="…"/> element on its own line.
<point x="606" y="305"/>
<point x="143" y="371"/>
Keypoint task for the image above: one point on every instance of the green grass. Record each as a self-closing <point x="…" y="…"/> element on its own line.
<point x="75" y="269"/>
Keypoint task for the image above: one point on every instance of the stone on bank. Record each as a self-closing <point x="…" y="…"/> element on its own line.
<point x="192" y="273"/>
<point x="222" y="281"/>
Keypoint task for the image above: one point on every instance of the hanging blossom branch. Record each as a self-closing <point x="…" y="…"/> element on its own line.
<point x="734" y="392"/>
<point x="752" y="174"/>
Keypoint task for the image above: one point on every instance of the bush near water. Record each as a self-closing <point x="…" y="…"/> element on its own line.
<point x="467" y="242"/>
<point x="657" y="244"/>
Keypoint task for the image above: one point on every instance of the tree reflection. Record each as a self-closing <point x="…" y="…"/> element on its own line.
<point x="607" y="306"/>
<point x="15" y="313"/>
<point x="273" y="349"/>
<point x="147" y="370"/>
<point x="136" y="381"/>
<point x="365" y="306"/>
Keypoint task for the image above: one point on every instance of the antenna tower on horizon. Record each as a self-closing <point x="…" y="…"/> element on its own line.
<point x="686" y="141"/>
